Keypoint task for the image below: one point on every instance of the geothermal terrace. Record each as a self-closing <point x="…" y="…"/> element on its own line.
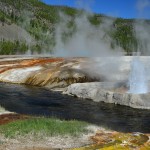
<point x="120" y="80"/>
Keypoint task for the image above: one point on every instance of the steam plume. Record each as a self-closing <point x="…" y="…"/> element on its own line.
<point x="84" y="39"/>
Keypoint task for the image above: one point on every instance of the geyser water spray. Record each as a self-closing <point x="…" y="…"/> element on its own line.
<point x="137" y="79"/>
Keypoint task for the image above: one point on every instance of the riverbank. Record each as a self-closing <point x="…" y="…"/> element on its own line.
<point x="93" y="138"/>
<point x="45" y="133"/>
<point x="62" y="73"/>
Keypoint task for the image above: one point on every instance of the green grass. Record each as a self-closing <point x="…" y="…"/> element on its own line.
<point x="12" y="47"/>
<point x="44" y="127"/>
<point x="5" y="18"/>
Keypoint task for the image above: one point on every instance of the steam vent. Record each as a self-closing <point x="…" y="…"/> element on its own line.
<point x="119" y="80"/>
<point x="125" y="82"/>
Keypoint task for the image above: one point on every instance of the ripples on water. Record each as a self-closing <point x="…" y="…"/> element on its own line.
<point x="38" y="101"/>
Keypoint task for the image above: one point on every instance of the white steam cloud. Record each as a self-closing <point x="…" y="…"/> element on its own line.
<point x="142" y="31"/>
<point x="85" y="4"/>
<point x="86" y="40"/>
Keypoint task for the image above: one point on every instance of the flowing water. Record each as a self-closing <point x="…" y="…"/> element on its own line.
<point x="39" y="101"/>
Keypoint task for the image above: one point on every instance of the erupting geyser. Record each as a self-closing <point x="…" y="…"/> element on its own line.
<point x="137" y="79"/>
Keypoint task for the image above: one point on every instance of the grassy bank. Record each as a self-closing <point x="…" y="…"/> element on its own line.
<point x="43" y="127"/>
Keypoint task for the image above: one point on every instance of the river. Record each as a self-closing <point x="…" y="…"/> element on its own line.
<point x="42" y="102"/>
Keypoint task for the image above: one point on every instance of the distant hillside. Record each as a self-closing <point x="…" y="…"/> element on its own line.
<point x="29" y="25"/>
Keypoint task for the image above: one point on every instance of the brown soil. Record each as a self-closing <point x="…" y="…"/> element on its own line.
<point x="7" y="118"/>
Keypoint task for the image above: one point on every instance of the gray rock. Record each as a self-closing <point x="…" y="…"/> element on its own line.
<point x="98" y="92"/>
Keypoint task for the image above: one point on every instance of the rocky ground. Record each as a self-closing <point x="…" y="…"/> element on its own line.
<point x="13" y="32"/>
<point x="98" y="92"/>
<point x="118" y="141"/>
<point x="47" y="143"/>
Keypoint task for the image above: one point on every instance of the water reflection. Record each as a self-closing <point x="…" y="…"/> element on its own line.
<point x="39" y="101"/>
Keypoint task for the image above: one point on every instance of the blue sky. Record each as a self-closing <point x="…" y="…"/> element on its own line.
<point x="117" y="8"/>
